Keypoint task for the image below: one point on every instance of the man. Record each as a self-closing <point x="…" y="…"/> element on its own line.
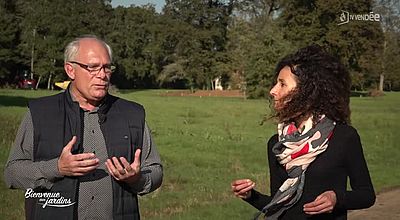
<point x="83" y="153"/>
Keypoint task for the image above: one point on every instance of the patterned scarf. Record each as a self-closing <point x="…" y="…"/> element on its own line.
<point x="295" y="151"/>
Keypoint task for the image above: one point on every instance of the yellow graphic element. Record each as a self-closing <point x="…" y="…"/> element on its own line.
<point x="62" y="85"/>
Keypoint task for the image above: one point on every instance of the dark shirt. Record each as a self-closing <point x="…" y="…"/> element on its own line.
<point x="343" y="160"/>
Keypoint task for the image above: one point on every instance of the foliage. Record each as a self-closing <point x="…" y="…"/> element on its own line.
<point x="44" y="33"/>
<point x="135" y="40"/>
<point x="358" y="44"/>
<point x="390" y="15"/>
<point x="200" y="49"/>
<point x="8" y="41"/>
<point x="390" y="59"/>
<point x="192" y="42"/>
<point x="256" y="44"/>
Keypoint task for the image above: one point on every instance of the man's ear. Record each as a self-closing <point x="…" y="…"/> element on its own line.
<point x="69" y="69"/>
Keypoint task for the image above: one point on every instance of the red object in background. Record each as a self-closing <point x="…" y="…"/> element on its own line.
<point x="27" y="84"/>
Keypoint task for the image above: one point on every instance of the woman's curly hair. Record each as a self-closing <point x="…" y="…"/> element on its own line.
<point x="323" y="87"/>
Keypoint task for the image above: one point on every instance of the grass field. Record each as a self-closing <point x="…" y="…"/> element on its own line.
<point x="205" y="143"/>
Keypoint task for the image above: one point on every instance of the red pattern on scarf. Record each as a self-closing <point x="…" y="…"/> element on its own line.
<point x="303" y="151"/>
<point x="291" y="129"/>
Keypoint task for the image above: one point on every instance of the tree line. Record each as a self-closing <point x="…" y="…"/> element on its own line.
<point x="192" y="42"/>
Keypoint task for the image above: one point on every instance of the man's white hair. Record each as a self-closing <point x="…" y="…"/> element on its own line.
<point x="72" y="48"/>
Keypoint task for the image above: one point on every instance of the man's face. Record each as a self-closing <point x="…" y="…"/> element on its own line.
<point x="90" y="85"/>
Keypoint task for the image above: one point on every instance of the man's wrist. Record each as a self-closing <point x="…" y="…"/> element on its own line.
<point x="50" y="169"/>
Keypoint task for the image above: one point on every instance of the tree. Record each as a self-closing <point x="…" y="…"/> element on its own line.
<point x="46" y="27"/>
<point x="390" y="23"/>
<point x="257" y="10"/>
<point x="201" y="49"/>
<point x="135" y="38"/>
<point x="255" y="46"/>
<point x="357" y="43"/>
<point x="8" y="41"/>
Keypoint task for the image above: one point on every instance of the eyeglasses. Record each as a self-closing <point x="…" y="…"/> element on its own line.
<point x="94" y="70"/>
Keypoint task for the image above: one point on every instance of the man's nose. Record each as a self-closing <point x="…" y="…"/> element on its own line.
<point x="102" y="73"/>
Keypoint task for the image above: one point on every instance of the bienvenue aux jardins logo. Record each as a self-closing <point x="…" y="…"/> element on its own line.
<point x="345" y="17"/>
<point x="51" y="199"/>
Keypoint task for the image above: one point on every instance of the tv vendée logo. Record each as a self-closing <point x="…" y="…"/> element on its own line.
<point x="345" y="17"/>
<point x="52" y="199"/>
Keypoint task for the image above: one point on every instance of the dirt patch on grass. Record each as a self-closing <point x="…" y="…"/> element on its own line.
<point x="386" y="207"/>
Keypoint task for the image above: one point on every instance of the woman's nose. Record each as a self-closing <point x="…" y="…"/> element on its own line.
<point x="272" y="92"/>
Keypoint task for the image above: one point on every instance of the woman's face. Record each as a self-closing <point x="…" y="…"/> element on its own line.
<point x="285" y="83"/>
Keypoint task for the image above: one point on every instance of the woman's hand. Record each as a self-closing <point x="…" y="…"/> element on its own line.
<point x="242" y="188"/>
<point x="324" y="203"/>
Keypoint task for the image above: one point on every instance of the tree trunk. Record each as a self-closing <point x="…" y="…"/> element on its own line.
<point x="49" y="82"/>
<point x="37" y="84"/>
<point x="382" y="75"/>
<point x="381" y="80"/>
<point x="33" y="51"/>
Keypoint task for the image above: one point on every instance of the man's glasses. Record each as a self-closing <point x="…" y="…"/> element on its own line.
<point x="94" y="70"/>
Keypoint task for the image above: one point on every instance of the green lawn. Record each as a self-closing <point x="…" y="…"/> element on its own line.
<point x="207" y="142"/>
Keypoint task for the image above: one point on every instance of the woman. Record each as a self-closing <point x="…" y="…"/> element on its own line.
<point x="315" y="150"/>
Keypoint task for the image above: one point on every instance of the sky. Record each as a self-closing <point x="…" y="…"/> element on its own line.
<point x="158" y="3"/>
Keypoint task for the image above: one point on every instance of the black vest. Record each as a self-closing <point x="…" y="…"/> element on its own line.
<point x="55" y="120"/>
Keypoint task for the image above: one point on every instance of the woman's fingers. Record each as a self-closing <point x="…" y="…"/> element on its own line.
<point x="242" y="188"/>
<point x="324" y="203"/>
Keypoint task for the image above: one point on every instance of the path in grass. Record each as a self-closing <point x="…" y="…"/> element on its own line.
<point x="386" y="207"/>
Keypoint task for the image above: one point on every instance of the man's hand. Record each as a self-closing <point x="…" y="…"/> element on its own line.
<point x="126" y="172"/>
<point x="76" y="164"/>
<point x="242" y="188"/>
<point x="324" y="203"/>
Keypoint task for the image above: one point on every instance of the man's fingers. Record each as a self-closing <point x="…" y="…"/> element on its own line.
<point x="136" y="162"/>
<point x="122" y="170"/>
<point x="117" y="164"/>
<point x="111" y="169"/>
<point x="70" y="144"/>
<point x="84" y="156"/>
<point x="87" y="163"/>
<point x="137" y="154"/>
<point x="80" y="171"/>
<point x="118" y="170"/>
<point x="109" y="165"/>
<point x="125" y="164"/>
